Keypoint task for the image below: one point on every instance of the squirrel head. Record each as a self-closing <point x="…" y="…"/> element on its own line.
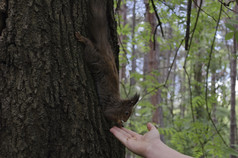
<point x="127" y="107"/>
<point x="122" y="111"/>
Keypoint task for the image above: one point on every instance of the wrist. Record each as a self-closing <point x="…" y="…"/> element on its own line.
<point x="158" y="149"/>
<point x="155" y="149"/>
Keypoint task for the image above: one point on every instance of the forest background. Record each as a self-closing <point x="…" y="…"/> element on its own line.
<point x="181" y="57"/>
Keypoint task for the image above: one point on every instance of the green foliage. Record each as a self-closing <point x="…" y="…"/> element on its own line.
<point x="188" y="137"/>
<point x="194" y="91"/>
<point x="232" y="24"/>
<point x="143" y="36"/>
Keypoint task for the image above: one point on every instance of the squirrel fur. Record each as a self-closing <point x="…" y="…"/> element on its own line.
<point x="99" y="57"/>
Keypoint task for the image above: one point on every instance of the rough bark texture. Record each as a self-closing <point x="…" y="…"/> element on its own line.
<point x="133" y="53"/>
<point x="48" y="103"/>
<point x="233" y="65"/>
<point x="122" y="73"/>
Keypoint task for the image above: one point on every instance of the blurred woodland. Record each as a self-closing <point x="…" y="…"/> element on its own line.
<point x="181" y="56"/>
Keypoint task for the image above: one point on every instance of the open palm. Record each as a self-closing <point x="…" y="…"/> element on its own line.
<point x="137" y="143"/>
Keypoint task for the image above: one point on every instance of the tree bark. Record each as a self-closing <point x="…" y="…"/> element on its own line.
<point x="133" y="53"/>
<point x="233" y="66"/>
<point x="48" y="102"/>
<point x="213" y="93"/>
<point x="123" y="13"/>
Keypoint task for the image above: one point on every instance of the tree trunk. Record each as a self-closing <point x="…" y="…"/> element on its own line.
<point x="48" y="102"/>
<point x="153" y="65"/>
<point x="183" y="91"/>
<point x="198" y="78"/>
<point x="123" y="13"/>
<point x="133" y="58"/>
<point x="213" y="92"/>
<point x="233" y="65"/>
<point x="172" y="98"/>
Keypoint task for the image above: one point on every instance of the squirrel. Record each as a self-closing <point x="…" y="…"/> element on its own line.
<point x="103" y="68"/>
<point x="99" y="57"/>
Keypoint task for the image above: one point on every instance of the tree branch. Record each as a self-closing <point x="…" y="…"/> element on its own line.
<point x="124" y="89"/>
<point x="185" y="62"/>
<point x="118" y="5"/>
<point x="159" y="22"/>
<point x="172" y="9"/>
<point x="204" y="11"/>
<point x="227" y="5"/>
<point x="194" y="29"/>
<point x="170" y="69"/>
<point x="171" y="66"/>
<point x="207" y="73"/>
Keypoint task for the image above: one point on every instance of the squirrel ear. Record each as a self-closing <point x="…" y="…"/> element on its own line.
<point x="134" y="99"/>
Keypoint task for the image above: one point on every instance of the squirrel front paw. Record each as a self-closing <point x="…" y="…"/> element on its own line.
<point x="79" y="37"/>
<point x="83" y="39"/>
<point x="119" y="123"/>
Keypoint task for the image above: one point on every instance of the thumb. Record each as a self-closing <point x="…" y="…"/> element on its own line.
<point x="150" y="126"/>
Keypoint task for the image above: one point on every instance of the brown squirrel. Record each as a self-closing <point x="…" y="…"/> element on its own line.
<point x="103" y="68"/>
<point x="99" y="56"/>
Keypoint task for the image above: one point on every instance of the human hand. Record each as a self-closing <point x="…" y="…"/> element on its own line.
<point x="148" y="145"/>
<point x="139" y="144"/>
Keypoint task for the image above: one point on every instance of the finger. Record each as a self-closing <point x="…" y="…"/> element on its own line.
<point x="124" y="133"/>
<point x="117" y="132"/>
<point x="128" y="134"/>
<point x="150" y="126"/>
<point x="132" y="133"/>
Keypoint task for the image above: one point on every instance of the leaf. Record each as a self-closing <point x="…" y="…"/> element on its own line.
<point x="233" y="21"/>
<point x="229" y="35"/>
<point x="231" y="151"/>
<point x="236" y="35"/>
<point x="228" y="25"/>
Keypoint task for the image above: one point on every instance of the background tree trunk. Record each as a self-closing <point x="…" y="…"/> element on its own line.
<point x="123" y="38"/>
<point x="133" y="53"/>
<point x="48" y="102"/>
<point x="153" y="66"/>
<point x="233" y="65"/>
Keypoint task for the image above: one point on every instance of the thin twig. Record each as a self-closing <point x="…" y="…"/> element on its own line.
<point x="154" y="36"/>
<point x="118" y="5"/>
<point x="170" y="9"/>
<point x="124" y="50"/>
<point x="225" y="5"/>
<point x="185" y="62"/>
<point x="207" y="73"/>
<point x="204" y="11"/>
<point x="190" y="92"/>
<point x="194" y="29"/>
<point x="170" y="69"/>
<point x="124" y="89"/>
<point x="228" y="3"/>
<point x="159" y="22"/>
<point x="171" y="66"/>
<point x="226" y="14"/>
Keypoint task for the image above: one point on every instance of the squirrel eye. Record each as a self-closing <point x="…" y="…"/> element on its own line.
<point x="127" y="113"/>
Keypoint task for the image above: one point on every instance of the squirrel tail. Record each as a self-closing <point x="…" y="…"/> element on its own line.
<point x="98" y="22"/>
